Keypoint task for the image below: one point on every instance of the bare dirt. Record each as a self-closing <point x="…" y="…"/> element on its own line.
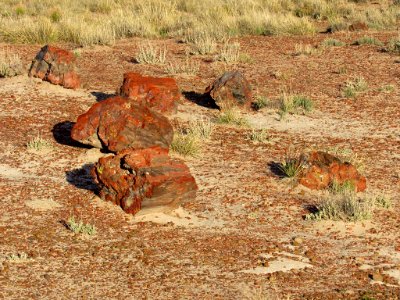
<point x="235" y="240"/>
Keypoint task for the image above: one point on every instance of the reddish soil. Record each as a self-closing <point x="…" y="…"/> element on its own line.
<point x="243" y="215"/>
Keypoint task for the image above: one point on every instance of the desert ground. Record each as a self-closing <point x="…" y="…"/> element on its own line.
<point x="245" y="236"/>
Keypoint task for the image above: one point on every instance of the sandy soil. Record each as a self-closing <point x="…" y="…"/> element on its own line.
<point x="235" y="240"/>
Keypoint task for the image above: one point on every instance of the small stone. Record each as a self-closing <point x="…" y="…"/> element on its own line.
<point x="297" y="241"/>
<point x="376" y="276"/>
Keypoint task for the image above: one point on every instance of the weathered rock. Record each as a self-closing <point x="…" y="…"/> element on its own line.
<point x="231" y="89"/>
<point x="116" y="124"/>
<point x="147" y="178"/>
<point x="160" y="94"/>
<point x="322" y="169"/>
<point x="56" y="66"/>
<point x="358" y="26"/>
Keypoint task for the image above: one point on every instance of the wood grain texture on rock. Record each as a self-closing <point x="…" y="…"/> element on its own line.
<point x="322" y="169"/>
<point x="160" y="94"/>
<point x="56" y="66"/>
<point x="116" y="124"/>
<point x="147" y="178"/>
<point x="231" y="89"/>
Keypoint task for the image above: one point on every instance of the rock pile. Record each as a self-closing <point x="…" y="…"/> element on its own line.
<point x="56" y="66"/>
<point x="139" y="174"/>
<point x="321" y="170"/>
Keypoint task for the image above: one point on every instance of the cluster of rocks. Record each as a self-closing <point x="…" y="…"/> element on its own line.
<point x="132" y="126"/>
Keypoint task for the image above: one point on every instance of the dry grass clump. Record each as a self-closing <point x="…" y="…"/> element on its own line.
<point x="345" y="205"/>
<point x="10" y="64"/>
<point x="367" y="40"/>
<point x="295" y="104"/>
<point x="258" y="135"/>
<point x="332" y="43"/>
<point x="232" y="116"/>
<point x="301" y="49"/>
<point x="88" y="22"/>
<point x="38" y="143"/>
<point x="394" y="45"/>
<point x="354" y="87"/>
<point x="150" y="54"/>
<point x="187" y="141"/>
<point x="188" y="67"/>
<point x="77" y="226"/>
<point x="259" y="102"/>
<point x="230" y="52"/>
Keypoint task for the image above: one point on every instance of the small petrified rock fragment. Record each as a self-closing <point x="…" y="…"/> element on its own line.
<point x="147" y="178"/>
<point x="160" y="94"/>
<point x="322" y="169"/>
<point x="116" y="124"/>
<point x="56" y="66"/>
<point x="231" y="89"/>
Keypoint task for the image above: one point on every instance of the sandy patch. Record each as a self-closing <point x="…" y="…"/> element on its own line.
<point x="178" y="217"/>
<point x="280" y="264"/>
<point x="11" y="173"/>
<point x="42" y="204"/>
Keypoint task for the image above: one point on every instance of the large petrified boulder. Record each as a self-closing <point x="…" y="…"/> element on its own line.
<point x="320" y="170"/>
<point x="116" y="124"/>
<point x="147" y="178"/>
<point x="160" y="94"/>
<point x="231" y="89"/>
<point x="56" y="66"/>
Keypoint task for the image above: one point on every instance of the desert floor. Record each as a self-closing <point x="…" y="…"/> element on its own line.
<point x="235" y="240"/>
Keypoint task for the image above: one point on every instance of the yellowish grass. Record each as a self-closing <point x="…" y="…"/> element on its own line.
<point x="203" y="23"/>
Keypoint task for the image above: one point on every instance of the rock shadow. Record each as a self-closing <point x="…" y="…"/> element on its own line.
<point x="204" y="100"/>
<point x="276" y="169"/>
<point x="100" y="96"/>
<point x="82" y="178"/>
<point x="62" y="134"/>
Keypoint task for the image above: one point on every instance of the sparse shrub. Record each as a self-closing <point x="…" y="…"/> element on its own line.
<point x="188" y="67"/>
<point x="201" y="128"/>
<point x="10" y="64"/>
<point x="55" y="16"/>
<point x="232" y="116"/>
<point x="295" y="104"/>
<point x="230" y="52"/>
<point x="383" y="201"/>
<point x="394" y="45"/>
<point x="342" y="188"/>
<point x="203" y="44"/>
<point x="18" y="257"/>
<point x="259" y="103"/>
<point x="387" y="88"/>
<point x="260" y="135"/>
<point x="185" y="143"/>
<point x="292" y="165"/>
<point x="346" y="206"/>
<point x="149" y="54"/>
<point x="38" y="143"/>
<point x="333" y="43"/>
<point x="245" y="58"/>
<point x="77" y="226"/>
<point x="353" y="87"/>
<point x="301" y="49"/>
<point x="366" y="40"/>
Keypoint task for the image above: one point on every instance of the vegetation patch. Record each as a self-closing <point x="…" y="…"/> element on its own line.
<point x="333" y="43"/>
<point x="259" y="103"/>
<point x="150" y="54"/>
<point x="232" y="116"/>
<point x="79" y="227"/>
<point x="38" y="143"/>
<point x="294" y="104"/>
<point x="367" y="40"/>
<point x="354" y="87"/>
<point x="10" y="64"/>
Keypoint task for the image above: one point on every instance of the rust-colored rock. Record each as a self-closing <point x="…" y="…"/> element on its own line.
<point x="116" y="124"/>
<point x="143" y="179"/>
<point x="160" y="94"/>
<point x="322" y="169"/>
<point x="56" y="66"/>
<point x="358" y="26"/>
<point x="231" y="89"/>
